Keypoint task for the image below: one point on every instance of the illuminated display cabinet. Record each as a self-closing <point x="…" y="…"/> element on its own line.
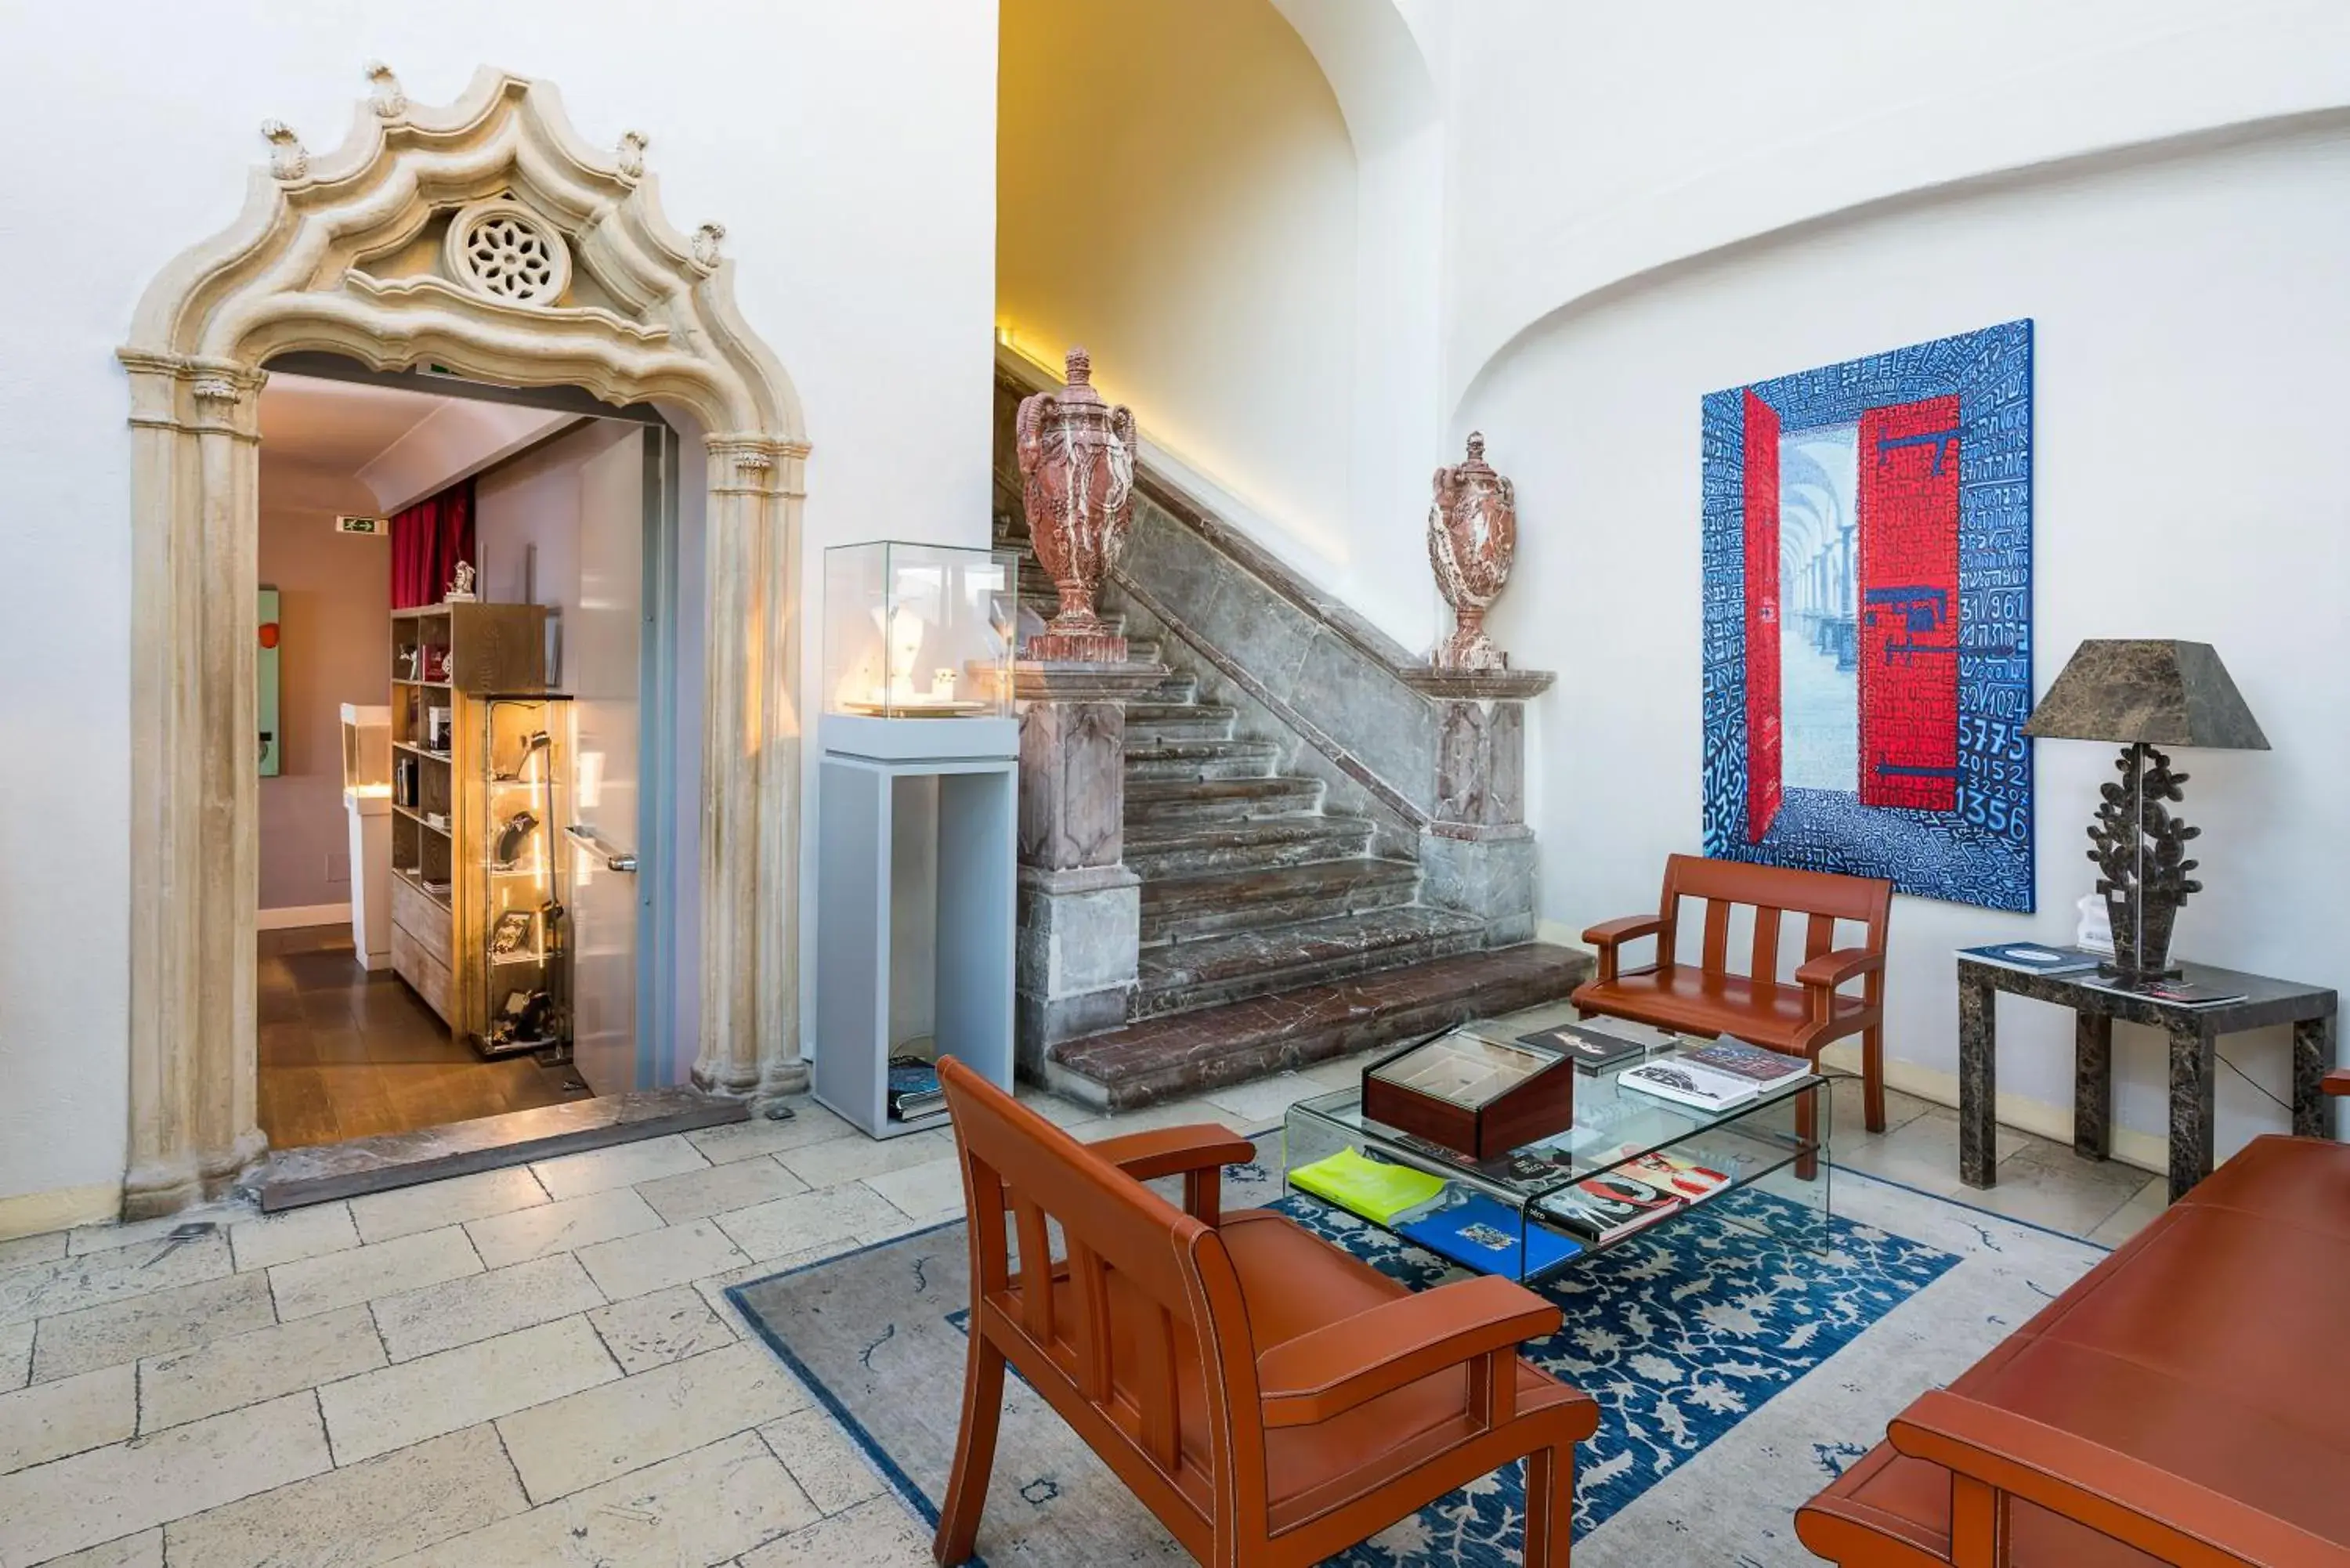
<point x="516" y="996"/>
<point x="919" y="631"/>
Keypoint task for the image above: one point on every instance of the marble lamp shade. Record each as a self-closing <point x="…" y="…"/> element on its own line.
<point x="2145" y="693"/>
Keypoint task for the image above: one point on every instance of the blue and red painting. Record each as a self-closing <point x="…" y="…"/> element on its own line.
<point x="1868" y="618"/>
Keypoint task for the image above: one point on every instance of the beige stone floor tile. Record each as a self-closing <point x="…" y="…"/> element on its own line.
<point x="652" y="1331"/>
<point x="1922" y="1153"/>
<point x="828" y="1467"/>
<point x="2047" y="1184"/>
<point x="806" y="1220"/>
<point x="404" y="1212"/>
<point x="738" y="1184"/>
<point x="589" y="1438"/>
<point x="622" y="1165"/>
<point x="566" y="1227"/>
<point x="810" y="1124"/>
<point x="482" y="1306"/>
<point x="379" y="1411"/>
<point x="112" y="1236"/>
<point x="1347" y="1071"/>
<point x="269" y="1240"/>
<point x="51" y="1420"/>
<point x="854" y="1158"/>
<point x="363" y="1514"/>
<point x="153" y="1324"/>
<point x="714" y="1289"/>
<point x="1061" y="1111"/>
<point x="705" y="1507"/>
<point x="111" y="1492"/>
<point x="875" y="1534"/>
<point x="16" y="1356"/>
<point x="94" y="1279"/>
<point x="381" y="1268"/>
<point x="1261" y="1104"/>
<point x="144" y="1550"/>
<point x="1173" y="1114"/>
<point x="24" y="1251"/>
<point x="245" y="1368"/>
<point x="640" y="1265"/>
<point x="2134" y="1215"/>
<point x="923" y="1192"/>
<point x="1851" y="1109"/>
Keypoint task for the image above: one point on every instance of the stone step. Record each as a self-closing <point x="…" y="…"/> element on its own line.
<point x="1180" y="976"/>
<point x="1156" y="723"/>
<point x="1213" y="903"/>
<point x="1178" y="690"/>
<point x="1167" y="1058"/>
<point x="1200" y="759"/>
<point x="1170" y="803"/>
<point x="1189" y="849"/>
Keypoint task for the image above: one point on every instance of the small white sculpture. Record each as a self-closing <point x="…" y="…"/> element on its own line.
<point x="461" y="586"/>
<point x="942" y="685"/>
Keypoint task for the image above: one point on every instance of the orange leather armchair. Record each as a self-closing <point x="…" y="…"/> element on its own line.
<point x="1270" y="1399"/>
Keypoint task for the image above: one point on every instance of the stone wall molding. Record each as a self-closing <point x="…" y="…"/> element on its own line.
<point x="332" y="253"/>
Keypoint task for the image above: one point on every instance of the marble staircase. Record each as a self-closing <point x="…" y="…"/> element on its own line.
<point x="1275" y="931"/>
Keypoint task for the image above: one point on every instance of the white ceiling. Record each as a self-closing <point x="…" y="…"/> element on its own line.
<point x="337" y="425"/>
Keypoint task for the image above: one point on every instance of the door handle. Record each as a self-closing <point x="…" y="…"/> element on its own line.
<point x="615" y="857"/>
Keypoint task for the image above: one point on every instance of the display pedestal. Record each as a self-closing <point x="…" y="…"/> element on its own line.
<point x="915" y="825"/>
<point x="371" y="817"/>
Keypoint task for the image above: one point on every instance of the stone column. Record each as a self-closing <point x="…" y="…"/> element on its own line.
<point x="1477" y="852"/>
<point x="751" y="773"/>
<point x="196" y="434"/>
<point x="1080" y="909"/>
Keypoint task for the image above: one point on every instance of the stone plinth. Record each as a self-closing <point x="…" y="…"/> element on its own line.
<point x="1477" y="854"/>
<point x="1080" y="909"/>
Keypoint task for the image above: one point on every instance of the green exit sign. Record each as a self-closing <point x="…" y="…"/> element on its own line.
<point x="362" y="525"/>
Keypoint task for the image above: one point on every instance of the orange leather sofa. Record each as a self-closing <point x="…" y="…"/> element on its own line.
<point x="2186" y="1401"/>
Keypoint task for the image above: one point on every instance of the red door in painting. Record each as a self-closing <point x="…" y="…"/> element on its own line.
<point x="1909" y="549"/>
<point x="1764" y="786"/>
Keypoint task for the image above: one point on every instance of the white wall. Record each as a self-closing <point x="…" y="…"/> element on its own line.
<point x="847" y="149"/>
<point x="2190" y="400"/>
<point x="1178" y="195"/>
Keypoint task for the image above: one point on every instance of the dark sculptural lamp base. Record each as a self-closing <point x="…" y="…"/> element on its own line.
<point x="2140" y="848"/>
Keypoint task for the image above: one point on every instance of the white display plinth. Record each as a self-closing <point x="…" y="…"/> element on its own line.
<point x="371" y="817"/>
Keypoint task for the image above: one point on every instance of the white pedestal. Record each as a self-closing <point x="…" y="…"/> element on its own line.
<point x="371" y="817"/>
<point x="916" y="823"/>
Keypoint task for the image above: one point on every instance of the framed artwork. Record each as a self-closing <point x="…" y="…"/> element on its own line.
<point x="1867" y="619"/>
<point x="264" y="696"/>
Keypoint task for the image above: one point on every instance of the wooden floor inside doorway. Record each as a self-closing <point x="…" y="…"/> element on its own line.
<point x="346" y="1053"/>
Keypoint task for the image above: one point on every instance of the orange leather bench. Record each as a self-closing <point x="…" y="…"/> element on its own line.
<point x="1708" y="998"/>
<point x="2186" y="1401"/>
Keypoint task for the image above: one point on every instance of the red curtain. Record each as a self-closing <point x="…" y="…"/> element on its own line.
<point x="428" y="540"/>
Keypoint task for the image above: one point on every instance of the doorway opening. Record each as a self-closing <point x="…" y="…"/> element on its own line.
<point x="467" y="632"/>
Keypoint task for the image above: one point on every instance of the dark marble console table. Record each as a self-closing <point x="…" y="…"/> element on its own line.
<point x="2194" y="1033"/>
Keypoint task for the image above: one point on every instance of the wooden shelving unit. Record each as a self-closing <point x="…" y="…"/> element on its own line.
<point x="444" y="659"/>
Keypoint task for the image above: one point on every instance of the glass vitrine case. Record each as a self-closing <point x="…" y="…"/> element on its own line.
<point x="919" y="631"/>
<point x="518" y="996"/>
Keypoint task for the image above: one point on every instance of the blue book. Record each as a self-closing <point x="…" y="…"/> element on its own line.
<point x="1481" y="1234"/>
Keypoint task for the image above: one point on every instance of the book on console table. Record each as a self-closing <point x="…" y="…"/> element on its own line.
<point x="1685" y="1082"/>
<point x="1762" y="1068"/>
<point x="2170" y="993"/>
<point x="2035" y="958"/>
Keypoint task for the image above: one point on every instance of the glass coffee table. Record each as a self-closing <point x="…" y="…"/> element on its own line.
<point x="1631" y="1162"/>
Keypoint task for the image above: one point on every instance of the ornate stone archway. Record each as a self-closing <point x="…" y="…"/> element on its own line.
<point x="579" y="281"/>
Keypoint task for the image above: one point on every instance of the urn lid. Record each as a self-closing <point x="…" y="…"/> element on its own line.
<point x="1079" y="365"/>
<point x="1475" y="464"/>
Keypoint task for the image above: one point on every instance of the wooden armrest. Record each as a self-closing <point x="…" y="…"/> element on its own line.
<point x="1198" y="1153"/>
<point x="1631" y="928"/>
<point x="2337" y="1082"/>
<point x="1995" y="1451"/>
<point x="1332" y="1370"/>
<point x="1831" y="969"/>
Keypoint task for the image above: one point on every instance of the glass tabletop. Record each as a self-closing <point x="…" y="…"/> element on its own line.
<point x="1613" y="1125"/>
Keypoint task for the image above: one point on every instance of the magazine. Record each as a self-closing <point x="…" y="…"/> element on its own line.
<point x="2035" y="958"/>
<point x="1765" y="1069"/>
<point x="1485" y="1236"/>
<point x="1684" y="1083"/>
<point x="2171" y="992"/>
<point x="1669" y="1172"/>
<point x="1610" y="1206"/>
<point x="1516" y="1165"/>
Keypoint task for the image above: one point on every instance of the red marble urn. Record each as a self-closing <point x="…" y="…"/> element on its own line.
<point x="1472" y="538"/>
<point x="1077" y="462"/>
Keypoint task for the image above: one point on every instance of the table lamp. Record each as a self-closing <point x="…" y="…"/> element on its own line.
<point x="2145" y="693"/>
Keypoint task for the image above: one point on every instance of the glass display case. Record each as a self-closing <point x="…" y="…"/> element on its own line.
<point x="919" y="631"/>
<point x="518" y="996"/>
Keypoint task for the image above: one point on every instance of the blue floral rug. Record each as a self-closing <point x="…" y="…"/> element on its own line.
<point x="1693" y="1338"/>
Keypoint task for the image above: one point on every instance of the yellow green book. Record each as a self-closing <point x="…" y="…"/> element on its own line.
<point x="1373" y="1189"/>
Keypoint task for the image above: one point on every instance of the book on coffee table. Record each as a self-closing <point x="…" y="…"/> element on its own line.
<point x="1685" y="1082"/>
<point x="1609" y="1207"/>
<point x="1485" y="1236"/>
<point x="1765" y="1069"/>
<point x="1593" y="1050"/>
